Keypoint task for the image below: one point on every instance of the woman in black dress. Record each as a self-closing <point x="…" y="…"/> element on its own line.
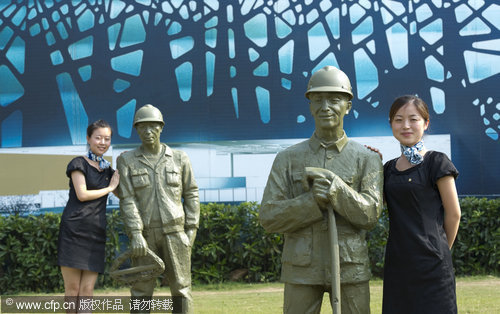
<point x="82" y="233"/>
<point x="424" y="214"/>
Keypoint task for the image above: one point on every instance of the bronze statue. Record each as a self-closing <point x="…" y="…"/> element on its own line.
<point x="160" y="206"/>
<point x="325" y="193"/>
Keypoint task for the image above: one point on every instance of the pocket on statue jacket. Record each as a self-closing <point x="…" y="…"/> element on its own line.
<point x="298" y="248"/>
<point x="173" y="178"/>
<point x="140" y="178"/>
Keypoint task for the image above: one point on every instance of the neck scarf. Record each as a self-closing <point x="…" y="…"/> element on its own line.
<point x="103" y="163"/>
<point x="412" y="153"/>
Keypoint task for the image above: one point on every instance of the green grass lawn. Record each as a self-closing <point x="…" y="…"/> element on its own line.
<point x="474" y="295"/>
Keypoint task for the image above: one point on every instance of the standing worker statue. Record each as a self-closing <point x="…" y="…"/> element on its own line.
<point x="324" y="194"/>
<point x="160" y="206"/>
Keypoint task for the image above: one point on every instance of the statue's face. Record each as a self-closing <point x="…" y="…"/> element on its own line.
<point x="149" y="132"/>
<point x="408" y="125"/>
<point x="99" y="141"/>
<point x="329" y="108"/>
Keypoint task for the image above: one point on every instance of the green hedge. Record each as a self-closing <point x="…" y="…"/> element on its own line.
<point x="476" y="249"/>
<point x="28" y="249"/>
<point x="229" y="239"/>
<point x="377" y="239"/>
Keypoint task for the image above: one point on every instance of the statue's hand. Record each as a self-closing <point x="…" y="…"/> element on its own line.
<point x="191" y="233"/>
<point x="138" y="244"/>
<point x="313" y="173"/>
<point x="320" y="190"/>
<point x="321" y="181"/>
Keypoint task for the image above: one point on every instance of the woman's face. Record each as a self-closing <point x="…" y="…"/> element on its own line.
<point x="408" y="125"/>
<point x="99" y="141"/>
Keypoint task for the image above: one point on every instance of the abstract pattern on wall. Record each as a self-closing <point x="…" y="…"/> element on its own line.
<point x="237" y="69"/>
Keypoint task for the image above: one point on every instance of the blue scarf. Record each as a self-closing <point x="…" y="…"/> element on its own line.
<point x="412" y="153"/>
<point x="103" y="163"/>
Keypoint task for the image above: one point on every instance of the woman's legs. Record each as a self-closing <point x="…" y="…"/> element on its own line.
<point x="87" y="283"/>
<point x="78" y="282"/>
<point x="71" y="277"/>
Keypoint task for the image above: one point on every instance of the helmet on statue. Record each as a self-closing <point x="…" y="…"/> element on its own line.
<point x="329" y="79"/>
<point x="148" y="113"/>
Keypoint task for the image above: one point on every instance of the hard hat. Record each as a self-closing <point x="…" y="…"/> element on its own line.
<point x="152" y="267"/>
<point x="329" y="79"/>
<point x="148" y="113"/>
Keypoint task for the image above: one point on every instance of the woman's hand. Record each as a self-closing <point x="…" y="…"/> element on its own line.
<point x="373" y="149"/>
<point x="84" y="195"/>
<point x="115" y="180"/>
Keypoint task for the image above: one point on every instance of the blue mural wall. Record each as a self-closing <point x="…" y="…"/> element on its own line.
<point x="237" y="69"/>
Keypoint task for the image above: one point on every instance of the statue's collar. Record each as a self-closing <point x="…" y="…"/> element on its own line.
<point x="338" y="145"/>
<point x="165" y="149"/>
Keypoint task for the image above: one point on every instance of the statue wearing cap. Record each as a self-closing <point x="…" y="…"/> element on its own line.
<point x="160" y="206"/>
<point x="324" y="194"/>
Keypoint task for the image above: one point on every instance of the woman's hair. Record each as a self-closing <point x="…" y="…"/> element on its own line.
<point x="407" y="99"/>
<point x="96" y="125"/>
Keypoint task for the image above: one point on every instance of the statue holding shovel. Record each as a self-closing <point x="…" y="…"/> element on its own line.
<point x="324" y="194"/>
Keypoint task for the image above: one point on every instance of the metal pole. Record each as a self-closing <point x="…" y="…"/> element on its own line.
<point x="312" y="173"/>
<point x="335" y="267"/>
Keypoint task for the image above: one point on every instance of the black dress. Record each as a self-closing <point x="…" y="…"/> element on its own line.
<point x="82" y="233"/>
<point x="418" y="272"/>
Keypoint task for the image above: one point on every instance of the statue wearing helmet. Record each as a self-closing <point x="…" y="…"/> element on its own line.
<point x="329" y="79"/>
<point x="148" y="113"/>
<point x="160" y="207"/>
<point x="325" y="219"/>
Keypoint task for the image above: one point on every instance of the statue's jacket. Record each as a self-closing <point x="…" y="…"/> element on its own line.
<point x="289" y="207"/>
<point x="169" y="188"/>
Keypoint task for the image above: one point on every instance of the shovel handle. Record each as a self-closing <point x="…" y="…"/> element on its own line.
<point x="334" y="241"/>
